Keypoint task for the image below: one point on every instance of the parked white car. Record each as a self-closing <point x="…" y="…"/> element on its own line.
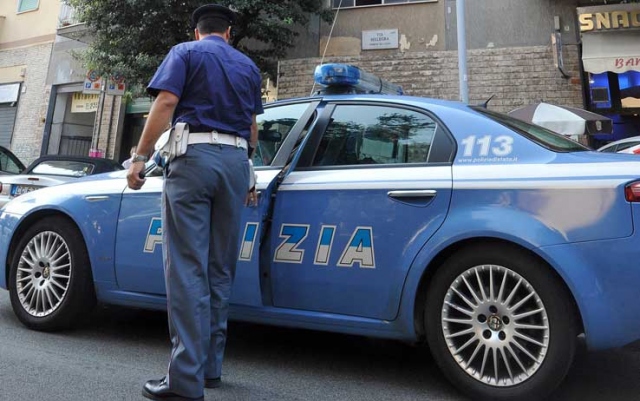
<point x="52" y="170"/>
<point x="627" y="145"/>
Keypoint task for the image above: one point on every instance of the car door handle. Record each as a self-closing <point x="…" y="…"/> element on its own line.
<point x="423" y="193"/>
<point x="96" y="198"/>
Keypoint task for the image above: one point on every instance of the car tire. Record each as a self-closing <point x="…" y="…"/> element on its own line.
<point x="51" y="285"/>
<point x="513" y="337"/>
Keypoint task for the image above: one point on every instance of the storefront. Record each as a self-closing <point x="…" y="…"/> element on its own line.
<point x="611" y="61"/>
<point x="72" y="121"/>
<point x="136" y="116"/>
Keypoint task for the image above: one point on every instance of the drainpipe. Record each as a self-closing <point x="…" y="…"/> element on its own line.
<point x="48" y="122"/>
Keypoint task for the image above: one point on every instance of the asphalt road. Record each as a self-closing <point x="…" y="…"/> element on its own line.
<point x="117" y="350"/>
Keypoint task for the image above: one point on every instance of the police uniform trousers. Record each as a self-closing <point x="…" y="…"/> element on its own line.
<point x="203" y="198"/>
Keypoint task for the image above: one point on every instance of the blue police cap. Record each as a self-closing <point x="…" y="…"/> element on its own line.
<point x="212" y="11"/>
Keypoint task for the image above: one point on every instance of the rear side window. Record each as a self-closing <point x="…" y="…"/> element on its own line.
<point x="372" y="134"/>
<point x="534" y="133"/>
<point x="7" y="164"/>
<point x="273" y="127"/>
<point x="626" y="145"/>
<point x="609" y="149"/>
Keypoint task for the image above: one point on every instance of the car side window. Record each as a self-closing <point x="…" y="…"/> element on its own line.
<point x="8" y="165"/>
<point x="626" y="145"/>
<point x="273" y="127"/>
<point x="610" y="149"/>
<point x="372" y="134"/>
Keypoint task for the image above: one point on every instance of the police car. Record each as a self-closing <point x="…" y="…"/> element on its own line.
<point x="381" y="215"/>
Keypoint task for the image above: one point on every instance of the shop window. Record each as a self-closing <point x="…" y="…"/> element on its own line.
<point x="630" y="89"/>
<point x="600" y="95"/>
<point x="366" y="3"/>
<point x="27" y="5"/>
<point x="615" y="91"/>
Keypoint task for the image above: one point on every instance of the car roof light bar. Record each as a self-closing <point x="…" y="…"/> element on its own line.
<point x="345" y="78"/>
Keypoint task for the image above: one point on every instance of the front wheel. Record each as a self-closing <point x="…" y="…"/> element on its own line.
<point x="51" y="285"/>
<point x="500" y="324"/>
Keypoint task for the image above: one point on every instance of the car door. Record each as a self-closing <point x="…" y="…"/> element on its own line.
<point x="279" y="129"/>
<point x="138" y="260"/>
<point x="372" y="185"/>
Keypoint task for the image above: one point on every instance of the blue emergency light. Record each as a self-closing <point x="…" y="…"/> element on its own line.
<point x="345" y="78"/>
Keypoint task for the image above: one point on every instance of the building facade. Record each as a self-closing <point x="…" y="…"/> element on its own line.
<point x="611" y="60"/>
<point x="27" y="33"/>
<point x="85" y="117"/>
<point x="518" y="52"/>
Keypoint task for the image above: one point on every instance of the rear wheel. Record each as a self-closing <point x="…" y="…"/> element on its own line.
<point x="51" y="286"/>
<point x="499" y="324"/>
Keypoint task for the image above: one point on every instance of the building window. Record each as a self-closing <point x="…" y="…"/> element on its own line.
<point x="27" y="5"/>
<point x="367" y="3"/>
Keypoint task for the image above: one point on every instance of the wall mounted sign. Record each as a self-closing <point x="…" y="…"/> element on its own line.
<point x="380" y="39"/>
<point x="609" y="18"/>
<point x="84" y="103"/>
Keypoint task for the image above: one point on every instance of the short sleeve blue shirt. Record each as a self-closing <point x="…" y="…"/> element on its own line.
<point x="218" y="86"/>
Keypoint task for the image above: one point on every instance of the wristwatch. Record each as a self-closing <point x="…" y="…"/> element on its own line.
<point x="139" y="158"/>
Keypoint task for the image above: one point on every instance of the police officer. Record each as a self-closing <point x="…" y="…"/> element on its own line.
<point x="215" y="90"/>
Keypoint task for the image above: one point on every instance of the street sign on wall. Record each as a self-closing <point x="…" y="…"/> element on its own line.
<point x="380" y="39"/>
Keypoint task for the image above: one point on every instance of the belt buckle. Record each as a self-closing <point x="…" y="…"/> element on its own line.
<point x="214" y="137"/>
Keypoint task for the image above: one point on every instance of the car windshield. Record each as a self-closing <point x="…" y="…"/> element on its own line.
<point x="535" y="133"/>
<point x="67" y="168"/>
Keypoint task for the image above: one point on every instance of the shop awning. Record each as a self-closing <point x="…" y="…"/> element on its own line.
<point x="611" y="51"/>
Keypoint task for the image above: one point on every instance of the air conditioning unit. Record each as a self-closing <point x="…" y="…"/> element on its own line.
<point x="600" y="95"/>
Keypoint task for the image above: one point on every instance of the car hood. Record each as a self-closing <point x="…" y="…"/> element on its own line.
<point x="113" y="183"/>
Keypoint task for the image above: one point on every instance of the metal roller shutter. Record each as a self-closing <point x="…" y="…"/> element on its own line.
<point x="7" y="121"/>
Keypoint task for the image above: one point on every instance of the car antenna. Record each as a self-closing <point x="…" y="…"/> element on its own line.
<point x="486" y="103"/>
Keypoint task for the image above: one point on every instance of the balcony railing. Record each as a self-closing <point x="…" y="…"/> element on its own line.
<point x="67" y="16"/>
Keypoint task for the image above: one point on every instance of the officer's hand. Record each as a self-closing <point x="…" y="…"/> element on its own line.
<point x="252" y="197"/>
<point x="135" y="176"/>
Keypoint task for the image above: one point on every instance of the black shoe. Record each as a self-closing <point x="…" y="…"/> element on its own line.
<point x="212" y="383"/>
<point x="159" y="390"/>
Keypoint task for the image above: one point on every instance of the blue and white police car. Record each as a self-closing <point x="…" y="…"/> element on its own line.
<point x="494" y="241"/>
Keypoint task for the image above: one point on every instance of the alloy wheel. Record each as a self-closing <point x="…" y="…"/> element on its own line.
<point x="495" y="325"/>
<point x="43" y="274"/>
